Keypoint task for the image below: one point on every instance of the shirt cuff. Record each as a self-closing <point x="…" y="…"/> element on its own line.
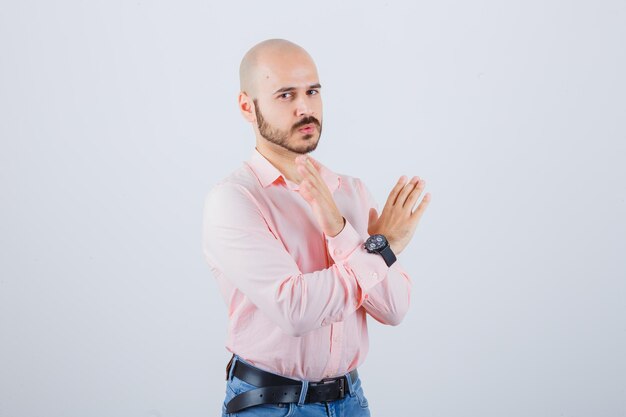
<point x="347" y="248"/>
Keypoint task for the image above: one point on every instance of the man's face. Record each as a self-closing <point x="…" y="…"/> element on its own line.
<point x="301" y="138"/>
<point x="288" y="106"/>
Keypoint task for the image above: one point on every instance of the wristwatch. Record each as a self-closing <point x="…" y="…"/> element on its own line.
<point x="379" y="244"/>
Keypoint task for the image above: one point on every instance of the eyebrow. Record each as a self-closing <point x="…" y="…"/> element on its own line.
<point x="286" y="89"/>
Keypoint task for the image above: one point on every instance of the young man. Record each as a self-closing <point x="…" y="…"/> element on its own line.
<point x="300" y="253"/>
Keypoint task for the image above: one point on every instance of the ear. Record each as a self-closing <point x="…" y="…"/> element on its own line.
<point x="246" y="107"/>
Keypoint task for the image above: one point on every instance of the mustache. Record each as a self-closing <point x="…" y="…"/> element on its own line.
<point x="306" y="121"/>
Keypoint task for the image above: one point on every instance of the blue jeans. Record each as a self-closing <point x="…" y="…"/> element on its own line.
<point x="354" y="404"/>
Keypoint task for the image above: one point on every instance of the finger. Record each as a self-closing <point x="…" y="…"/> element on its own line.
<point x="306" y="159"/>
<point x="306" y="175"/>
<point x="419" y="211"/>
<point x="308" y="191"/>
<point x="314" y="170"/>
<point x="317" y="190"/>
<point x="316" y="177"/>
<point x="310" y="169"/>
<point x="414" y="195"/>
<point x="373" y="217"/>
<point x="314" y="162"/>
<point x="391" y="200"/>
<point x="406" y="191"/>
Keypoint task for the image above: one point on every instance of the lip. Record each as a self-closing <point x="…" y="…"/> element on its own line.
<point x="307" y="128"/>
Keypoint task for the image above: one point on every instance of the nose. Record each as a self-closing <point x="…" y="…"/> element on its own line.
<point x="303" y="108"/>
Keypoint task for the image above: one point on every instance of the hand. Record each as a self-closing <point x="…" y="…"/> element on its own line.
<point x="398" y="220"/>
<point x="315" y="191"/>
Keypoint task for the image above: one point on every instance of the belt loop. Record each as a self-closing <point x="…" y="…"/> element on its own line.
<point x="303" y="391"/>
<point x="349" y="383"/>
<point x="231" y="367"/>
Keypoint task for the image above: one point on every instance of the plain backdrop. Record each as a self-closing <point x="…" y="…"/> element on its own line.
<point x="116" y="118"/>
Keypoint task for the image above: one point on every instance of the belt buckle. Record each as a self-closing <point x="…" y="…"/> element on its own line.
<point x="342" y="386"/>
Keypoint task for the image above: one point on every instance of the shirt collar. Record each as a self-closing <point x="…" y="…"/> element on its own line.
<point x="268" y="174"/>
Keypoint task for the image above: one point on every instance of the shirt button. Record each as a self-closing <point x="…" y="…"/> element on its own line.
<point x="337" y="252"/>
<point x="375" y="275"/>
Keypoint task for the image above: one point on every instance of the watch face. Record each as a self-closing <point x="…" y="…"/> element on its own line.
<point x="375" y="243"/>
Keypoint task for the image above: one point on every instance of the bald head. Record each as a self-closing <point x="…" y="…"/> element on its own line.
<point x="263" y="59"/>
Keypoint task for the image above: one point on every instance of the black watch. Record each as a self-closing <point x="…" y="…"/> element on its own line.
<point x="379" y="244"/>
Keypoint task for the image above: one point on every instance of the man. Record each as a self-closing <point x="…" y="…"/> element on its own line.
<point x="300" y="253"/>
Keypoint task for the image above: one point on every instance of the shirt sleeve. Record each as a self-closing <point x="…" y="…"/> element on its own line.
<point x="238" y="242"/>
<point x="386" y="290"/>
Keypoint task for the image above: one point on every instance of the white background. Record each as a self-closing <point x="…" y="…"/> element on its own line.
<point x="117" y="117"/>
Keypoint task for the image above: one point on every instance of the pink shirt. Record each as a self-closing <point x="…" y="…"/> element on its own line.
<point x="297" y="299"/>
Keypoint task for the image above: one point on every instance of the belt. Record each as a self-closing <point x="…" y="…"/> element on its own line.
<point x="275" y="389"/>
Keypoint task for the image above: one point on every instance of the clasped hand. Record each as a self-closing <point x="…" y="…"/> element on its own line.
<point x="397" y="222"/>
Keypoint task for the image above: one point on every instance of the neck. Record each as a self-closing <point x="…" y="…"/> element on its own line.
<point x="283" y="159"/>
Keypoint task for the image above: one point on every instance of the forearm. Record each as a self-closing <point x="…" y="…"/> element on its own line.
<point x="241" y="248"/>
<point x="388" y="302"/>
<point x="385" y="291"/>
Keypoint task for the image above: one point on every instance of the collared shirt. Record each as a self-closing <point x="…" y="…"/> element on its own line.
<point x="297" y="299"/>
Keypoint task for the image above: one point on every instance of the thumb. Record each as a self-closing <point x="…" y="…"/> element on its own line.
<point x="373" y="218"/>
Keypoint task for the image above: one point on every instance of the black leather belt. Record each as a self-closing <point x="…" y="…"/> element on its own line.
<point x="276" y="389"/>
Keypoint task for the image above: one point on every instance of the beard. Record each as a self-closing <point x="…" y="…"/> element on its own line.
<point x="281" y="137"/>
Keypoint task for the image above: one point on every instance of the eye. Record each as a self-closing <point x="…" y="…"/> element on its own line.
<point x="286" y="95"/>
<point x="312" y="92"/>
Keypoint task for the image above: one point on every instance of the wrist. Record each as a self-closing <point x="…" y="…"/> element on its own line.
<point x="396" y="247"/>
<point x="338" y="229"/>
<point x="378" y="244"/>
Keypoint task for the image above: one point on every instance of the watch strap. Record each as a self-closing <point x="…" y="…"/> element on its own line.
<point x="388" y="255"/>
